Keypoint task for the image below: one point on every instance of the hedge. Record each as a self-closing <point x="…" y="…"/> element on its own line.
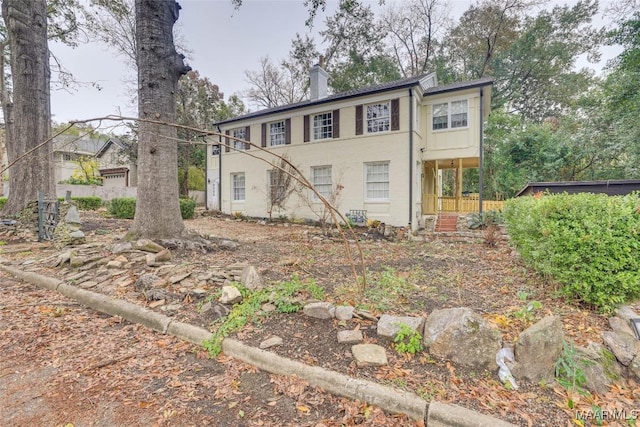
<point x="588" y="243"/>
<point x="88" y="203"/>
<point x="125" y="207"/>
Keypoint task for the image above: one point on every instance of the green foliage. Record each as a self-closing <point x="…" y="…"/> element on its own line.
<point x="187" y="208"/>
<point x="527" y="312"/>
<point x="82" y="181"/>
<point x="487" y="218"/>
<point x="407" y="340"/>
<point x="282" y="295"/>
<point x="589" y="243"/>
<point x="385" y="290"/>
<point x="88" y="203"/>
<point x="3" y="201"/>
<point x="122" y="207"/>
<point x="569" y="373"/>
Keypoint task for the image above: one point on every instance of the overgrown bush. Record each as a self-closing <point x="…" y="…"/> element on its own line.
<point x="187" y="208"/>
<point x="588" y="243"/>
<point x="196" y="179"/>
<point x="122" y="207"/>
<point x="88" y="203"/>
<point x="125" y="207"/>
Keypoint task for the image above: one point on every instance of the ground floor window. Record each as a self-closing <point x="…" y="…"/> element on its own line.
<point x="376" y="180"/>
<point x="237" y="186"/>
<point x="321" y="180"/>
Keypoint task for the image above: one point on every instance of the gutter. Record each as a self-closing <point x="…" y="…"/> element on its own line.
<point x="410" y="156"/>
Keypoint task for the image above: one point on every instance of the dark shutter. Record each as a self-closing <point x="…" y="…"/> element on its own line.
<point x="264" y="135"/>
<point x="287" y="131"/>
<point x="336" y="123"/>
<point x="395" y="114"/>
<point x="358" y="119"/>
<point x="306" y="132"/>
<point x="247" y="137"/>
<point x="226" y="142"/>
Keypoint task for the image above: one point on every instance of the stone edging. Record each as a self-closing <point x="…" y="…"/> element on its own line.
<point x="435" y="414"/>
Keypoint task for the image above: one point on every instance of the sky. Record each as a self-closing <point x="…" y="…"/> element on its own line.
<point x="224" y="43"/>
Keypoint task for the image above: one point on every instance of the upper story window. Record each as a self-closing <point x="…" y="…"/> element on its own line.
<point x="378" y="117"/>
<point x="277" y="133"/>
<point x="450" y="115"/>
<point x="240" y="133"/>
<point x="67" y="157"/>
<point x="323" y="126"/>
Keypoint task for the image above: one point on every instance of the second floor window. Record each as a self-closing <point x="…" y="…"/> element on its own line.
<point x="242" y="134"/>
<point x="277" y="133"/>
<point x="323" y="126"/>
<point x="378" y="117"/>
<point x="450" y="115"/>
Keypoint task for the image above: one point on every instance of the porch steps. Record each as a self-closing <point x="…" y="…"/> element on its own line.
<point x="446" y="223"/>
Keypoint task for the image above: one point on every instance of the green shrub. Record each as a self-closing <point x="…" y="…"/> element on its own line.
<point x="122" y="207"/>
<point x="187" y="208"/>
<point x="89" y="203"/>
<point x="3" y="201"/>
<point x="589" y="243"/>
<point x="196" y="179"/>
<point x="484" y="220"/>
<point x="125" y="207"/>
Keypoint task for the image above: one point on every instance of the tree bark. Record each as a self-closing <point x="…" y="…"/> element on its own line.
<point x="159" y="68"/>
<point x="27" y="113"/>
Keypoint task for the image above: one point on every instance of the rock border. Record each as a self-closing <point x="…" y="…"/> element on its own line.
<point x="435" y="414"/>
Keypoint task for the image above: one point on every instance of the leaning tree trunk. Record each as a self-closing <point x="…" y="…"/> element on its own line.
<point x="28" y="117"/>
<point x="159" y="68"/>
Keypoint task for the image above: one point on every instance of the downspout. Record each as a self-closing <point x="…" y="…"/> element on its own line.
<point x="481" y="165"/>
<point x="410" y="156"/>
<point x="206" y="168"/>
<point x="219" y="169"/>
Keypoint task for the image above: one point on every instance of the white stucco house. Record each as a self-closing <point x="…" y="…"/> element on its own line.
<point x="379" y="149"/>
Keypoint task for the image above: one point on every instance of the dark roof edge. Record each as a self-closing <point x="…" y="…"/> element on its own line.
<point x="577" y="183"/>
<point x="485" y="81"/>
<point x="304" y="104"/>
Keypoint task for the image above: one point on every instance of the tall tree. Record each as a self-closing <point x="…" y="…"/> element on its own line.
<point x="28" y="111"/>
<point x="159" y="69"/>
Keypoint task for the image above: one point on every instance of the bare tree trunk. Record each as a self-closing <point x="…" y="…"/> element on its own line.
<point x="28" y="117"/>
<point x="159" y="68"/>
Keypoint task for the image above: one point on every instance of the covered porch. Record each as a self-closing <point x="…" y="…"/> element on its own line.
<point x="442" y="188"/>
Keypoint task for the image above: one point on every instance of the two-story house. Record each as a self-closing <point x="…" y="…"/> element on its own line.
<point x="379" y="149"/>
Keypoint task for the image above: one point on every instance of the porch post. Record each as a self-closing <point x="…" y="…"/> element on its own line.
<point x="459" y="185"/>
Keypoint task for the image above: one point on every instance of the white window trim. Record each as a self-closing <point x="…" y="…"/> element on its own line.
<point x="449" y="102"/>
<point x="239" y="133"/>
<point x="314" y="197"/>
<point x="313" y="125"/>
<point x="284" y="133"/>
<point x="233" y="187"/>
<point x="366" y="119"/>
<point x="376" y="200"/>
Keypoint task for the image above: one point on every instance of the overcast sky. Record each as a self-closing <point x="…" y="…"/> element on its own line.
<point x="224" y="44"/>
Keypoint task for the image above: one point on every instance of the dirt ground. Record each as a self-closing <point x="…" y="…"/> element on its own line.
<point x="61" y="363"/>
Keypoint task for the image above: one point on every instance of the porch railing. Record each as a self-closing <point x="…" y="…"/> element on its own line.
<point x="432" y="204"/>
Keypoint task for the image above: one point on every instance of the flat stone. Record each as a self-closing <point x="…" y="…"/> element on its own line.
<point x="163" y="256"/>
<point x="171" y="307"/>
<point x="150" y="260"/>
<point x="230" y="295"/>
<point x="319" y="310"/>
<point x="76" y="276"/>
<point x="88" y="284"/>
<point x="228" y="245"/>
<point x="369" y="355"/>
<point x="121" y="258"/>
<point x="271" y="342"/>
<point x="121" y="247"/>
<point x="179" y="277"/>
<point x="76" y="235"/>
<point x="620" y="326"/>
<point x="389" y="326"/>
<point x="599" y="367"/>
<point x="350" y="337"/>
<point x="147" y="245"/>
<point x="626" y="313"/>
<point x="344" y="312"/>
<point x="72" y="216"/>
<point x="115" y="264"/>
<point x="625" y="347"/>
<point x="267" y="307"/>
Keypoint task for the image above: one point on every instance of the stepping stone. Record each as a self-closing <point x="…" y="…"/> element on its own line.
<point x="369" y="355"/>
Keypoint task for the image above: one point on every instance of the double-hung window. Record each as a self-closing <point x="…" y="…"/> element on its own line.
<point x="450" y="115"/>
<point x="376" y="181"/>
<point x="321" y="179"/>
<point x="323" y="126"/>
<point x="237" y="186"/>
<point x="277" y="132"/>
<point x="378" y="117"/>
<point x="240" y="133"/>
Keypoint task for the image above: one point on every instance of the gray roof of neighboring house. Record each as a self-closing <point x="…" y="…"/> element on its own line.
<point x="79" y="145"/>
<point x="382" y="87"/>
<point x="611" y="187"/>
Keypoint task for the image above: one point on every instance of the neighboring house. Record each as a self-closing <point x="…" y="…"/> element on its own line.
<point x="383" y="147"/>
<point x="114" y="167"/>
<point x="612" y="187"/>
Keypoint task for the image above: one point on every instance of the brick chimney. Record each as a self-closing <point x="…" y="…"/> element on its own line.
<point x="318" y="82"/>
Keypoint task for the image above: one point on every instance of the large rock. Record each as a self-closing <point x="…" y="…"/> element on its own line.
<point x="72" y="216"/>
<point x="626" y="313"/>
<point x="148" y="281"/>
<point x="624" y="346"/>
<point x="462" y="336"/>
<point x="634" y="367"/>
<point x="537" y="350"/>
<point x="621" y="326"/>
<point x="369" y="355"/>
<point x="319" y="310"/>
<point x="147" y="245"/>
<point x="250" y="278"/>
<point x="230" y="295"/>
<point x="344" y="312"/>
<point x="389" y="326"/>
<point x="599" y="366"/>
